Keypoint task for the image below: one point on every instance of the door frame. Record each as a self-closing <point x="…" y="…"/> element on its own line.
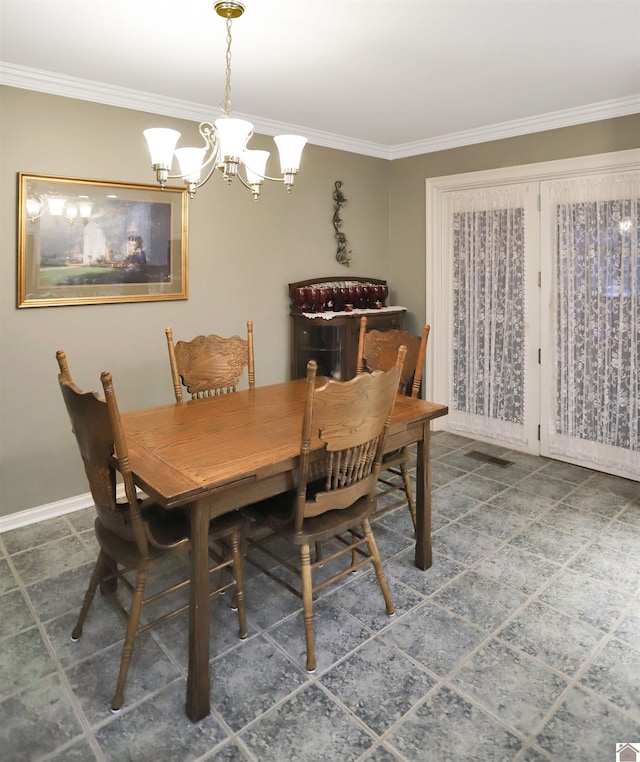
<point x="436" y="379"/>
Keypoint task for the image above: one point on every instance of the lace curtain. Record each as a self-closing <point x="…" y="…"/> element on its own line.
<point x="488" y="373"/>
<point x="596" y="386"/>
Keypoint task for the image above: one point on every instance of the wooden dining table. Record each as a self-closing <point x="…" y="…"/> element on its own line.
<point x="217" y="454"/>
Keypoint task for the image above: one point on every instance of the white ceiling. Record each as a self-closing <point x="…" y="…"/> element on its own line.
<point x="386" y="78"/>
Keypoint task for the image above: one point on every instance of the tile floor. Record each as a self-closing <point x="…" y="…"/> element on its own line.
<point x="521" y="643"/>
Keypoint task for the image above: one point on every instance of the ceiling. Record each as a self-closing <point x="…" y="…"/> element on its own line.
<point x="386" y="78"/>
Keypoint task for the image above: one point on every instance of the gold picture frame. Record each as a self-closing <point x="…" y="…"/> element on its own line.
<point x="97" y="242"/>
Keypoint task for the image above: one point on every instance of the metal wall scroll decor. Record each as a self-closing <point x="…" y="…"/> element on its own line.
<point x="343" y="254"/>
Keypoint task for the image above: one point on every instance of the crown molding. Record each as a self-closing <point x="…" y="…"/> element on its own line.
<point x="43" y="81"/>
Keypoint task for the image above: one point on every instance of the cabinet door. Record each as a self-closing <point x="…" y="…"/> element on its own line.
<point x="322" y="341"/>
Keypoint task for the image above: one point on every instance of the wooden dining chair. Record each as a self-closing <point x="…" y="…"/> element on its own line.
<point x="377" y="351"/>
<point x="335" y="491"/>
<point x="136" y="535"/>
<point x="211" y="365"/>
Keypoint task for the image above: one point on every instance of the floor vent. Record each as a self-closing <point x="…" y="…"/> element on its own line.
<point x="477" y="455"/>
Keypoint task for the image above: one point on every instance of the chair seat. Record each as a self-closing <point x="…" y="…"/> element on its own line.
<point x="276" y="513"/>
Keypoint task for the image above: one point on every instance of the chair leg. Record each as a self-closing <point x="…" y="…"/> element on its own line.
<point x="307" y="605"/>
<point x="109" y="580"/>
<point x="318" y="552"/>
<point x="236" y="550"/>
<point x="377" y="565"/>
<point x="127" y="648"/>
<point x="96" y="576"/>
<point x="409" y="492"/>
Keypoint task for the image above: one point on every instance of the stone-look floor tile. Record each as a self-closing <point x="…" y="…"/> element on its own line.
<point x="616" y="485"/>
<point x="566" y="471"/>
<point x="622" y="537"/>
<point x="630" y="515"/>
<point x="378" y="684"/>
<point x="7" y="580"/>
<point x="586" y="498"/>
<point x="335" y="634"/>
<point x="32" y="535"/>
<point x="517" y="568"/>
<point x="311" y="724"/>
<point x="363" y="599"/>
<point x="460" y="460"/>
<point x="614" y="673"/>
<point x="497" y="451"/>
<point x="24" y="659"/>
<point x="585" y="728"/>
<point x="526" y="460"/>
<point x="227" y="753"/>
<point x="158" y="729"/>
<point x="483" y="601"/>
<point x="37" y="721"/>
<point x="533" y="754"/>
<point x="77" y="751"/>
<point x="449" y="439"/>
<point x="389" y="542"/>
<point x="478" y="487"/>
<point x="629" y="629"/>
<point x="510" y="685"/>
<point x="51" y="559"/>
<point x="570" y="519"/>
<point x="541" y="484"/>
<point x="398" y="520"/>
<point x="435" y="637"/>
<point x="442" y="474"/>
<point x="267" y="602"/>
<point x="493" y="521"/>
<point x="94" y="680"/>
<point x="442" y="571"/>
<point x="14" y="614"/>
<point x="463" y="544"/>
<point x="586" y="598"/>
<point x="504" y="474"/>
<point x="524" y="503"/>
<point x="82" y="520"/>
<point x="102" y="628"/>
<point x="449" y="502"/>
<point x="380" y="754"/>
<point x="61" y="594"/>
<point x="446" y="727"/>
<point x="250" y="679"/>
<point x="548" y="542"/>
<point x="614" y="567"/>
<point x="557" y="640"/>
<point x="224" y="632"/>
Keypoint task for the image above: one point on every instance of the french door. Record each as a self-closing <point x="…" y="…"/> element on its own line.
<point x="535" y="301"/>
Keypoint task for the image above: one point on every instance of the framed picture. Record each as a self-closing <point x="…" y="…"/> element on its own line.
<point x="95" y="242"/>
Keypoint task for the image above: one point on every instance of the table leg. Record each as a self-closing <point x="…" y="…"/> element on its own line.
<point x="198" y="699"/>
<point x="423" y="500"/>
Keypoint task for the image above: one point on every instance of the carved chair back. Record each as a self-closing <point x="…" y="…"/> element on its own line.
<point x="377" y="350"/>
<point x="210" y="365"/>
<point x="98" y="432"/>
<point x="351" y="419"/>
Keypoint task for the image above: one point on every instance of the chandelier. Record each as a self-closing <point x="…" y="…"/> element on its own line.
<point x="225" y="142"/>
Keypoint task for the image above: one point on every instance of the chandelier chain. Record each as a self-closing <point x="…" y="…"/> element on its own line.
<point x="226" y="107"/>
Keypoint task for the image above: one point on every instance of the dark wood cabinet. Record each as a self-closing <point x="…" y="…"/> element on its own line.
<point x="330" y="337"/>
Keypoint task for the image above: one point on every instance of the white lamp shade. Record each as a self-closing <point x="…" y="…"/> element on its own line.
<point x="190" y="160"/>
<point x="56" y="205"/>
<point x="85" y="209"/>
<point x="255" y="163"/>
<point x="233" y="136"/>
<point x="290" y="150"/>
<point x="71" y="211"/>
<point x="162" y="143"/>
<point x="34" y="207"/>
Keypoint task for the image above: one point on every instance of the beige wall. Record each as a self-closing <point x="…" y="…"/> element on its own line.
<point x="241" y="256"/>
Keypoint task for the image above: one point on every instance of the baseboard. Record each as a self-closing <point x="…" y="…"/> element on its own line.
<point x="50" y="510"/>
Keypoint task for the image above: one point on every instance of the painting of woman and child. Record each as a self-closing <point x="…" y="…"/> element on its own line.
<point x="84" y="242"/>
